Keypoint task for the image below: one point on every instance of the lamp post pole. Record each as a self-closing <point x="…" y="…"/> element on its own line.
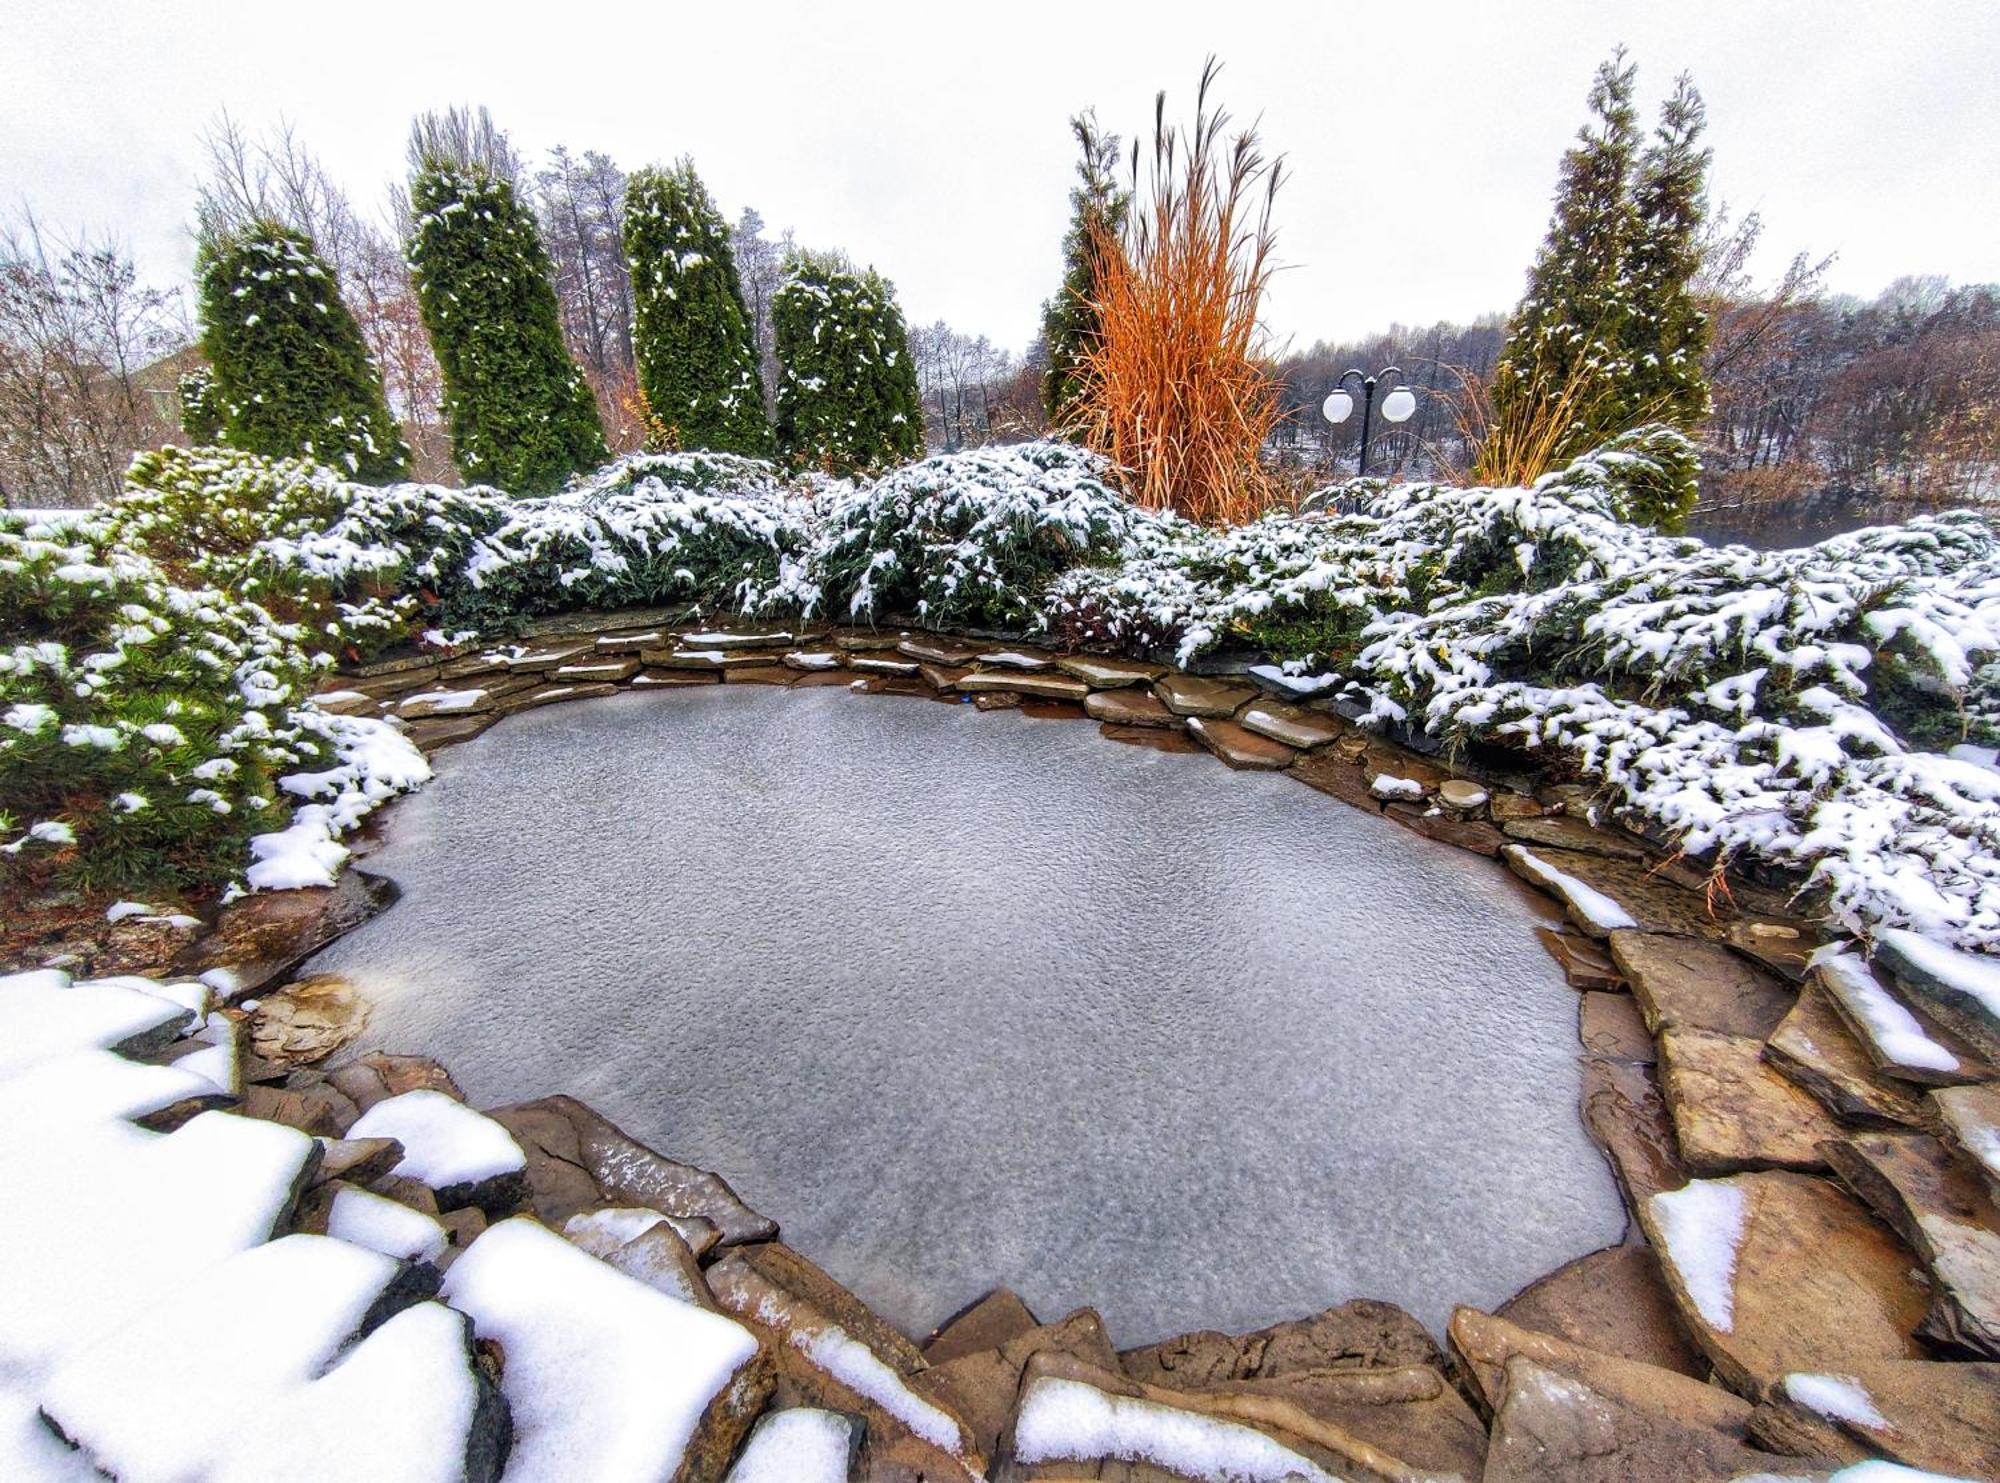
<point x="1397" y="405"/>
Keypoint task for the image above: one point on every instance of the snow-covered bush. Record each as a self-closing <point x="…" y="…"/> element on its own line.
<point x="1792" y="706"/>
<point x="148" y="730"/>
<point x="965" y="538"/>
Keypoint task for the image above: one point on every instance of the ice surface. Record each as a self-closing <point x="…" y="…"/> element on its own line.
<point x="1066" y="1420"/>
<point x="606" y="1377"/>
<point x="1702" y="1227"/>
<point x="796" y="1445"/>
<point x="444" y="1141"/>
<point x="965" y="998"/>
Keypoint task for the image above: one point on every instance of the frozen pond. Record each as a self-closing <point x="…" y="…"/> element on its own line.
<point x="966" y="998"/>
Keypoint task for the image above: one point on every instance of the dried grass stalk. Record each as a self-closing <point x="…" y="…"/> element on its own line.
<point x="1175" y="388"/>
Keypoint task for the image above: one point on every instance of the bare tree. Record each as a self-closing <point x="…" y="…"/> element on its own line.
<point x="79" y="336"/>
<point x="465" y="135"/>
<point x="760" y="264"/>
<point x="580" y="205"/>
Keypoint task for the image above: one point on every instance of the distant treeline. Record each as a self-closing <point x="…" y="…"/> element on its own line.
<point x="1893" y="399"/>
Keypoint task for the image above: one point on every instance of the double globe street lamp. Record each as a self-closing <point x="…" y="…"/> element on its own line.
<point x="1399" y="405"/>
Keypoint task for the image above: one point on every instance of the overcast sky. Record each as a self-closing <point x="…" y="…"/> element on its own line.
<point x="929" y="139"/>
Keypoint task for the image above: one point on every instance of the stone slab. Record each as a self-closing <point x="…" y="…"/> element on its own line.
<point x="1198" y="695"/>
<point x="1484" y="1343"/>
<point x="1814" y="1049"/>
<point x="1293" y="725"/>
<point x="1812" y="1280"/>
<point x="1685" y="983"/>
<point x="1130" y="707"/>
<point x="1048" y="686"/>
<point x="1103" y="673"/>
<point x="1733" y="1111"/>
<point x="1942" y="1210"/>
<point x="1626" y="1116"/>
<point x="1550" y="1425"/>
<point x="1609" y="1025"/>
<point x="1612" y="1302"/>
<point x="1240" y="747"/>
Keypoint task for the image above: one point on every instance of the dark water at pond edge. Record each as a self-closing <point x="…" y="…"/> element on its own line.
<point x="967" y="998"/>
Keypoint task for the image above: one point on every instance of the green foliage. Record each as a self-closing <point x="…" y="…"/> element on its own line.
<point x="692" y="337"/>
<point x="1667" y="333"/>
<point x="291" y="373"/>
<point x="522" y="416"/>
<point x="965" y="539"/>
<point x="1608" y="334"/>
<point x="1648" y="476"/>
<point x="1098" y="206"/>
<point x="144" y="725"/>
<point x="201" y="413"/>
<point x="847" y="386"/>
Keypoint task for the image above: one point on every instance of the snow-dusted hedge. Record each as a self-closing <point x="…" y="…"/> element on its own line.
<point x="153" y="732"/>
<point x="1793" y="705"/>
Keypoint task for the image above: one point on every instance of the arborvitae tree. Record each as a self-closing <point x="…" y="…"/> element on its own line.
<point x="695" y="347"/>
<point x="1666" y="332"/>
<point x="847" y="386"/>
<point x="1566" y="352"/>
<point x="1098" y="206"/>
<point x="292" y="376"/>
<point x="521" y="414"/>
<point x="201" y="415"/>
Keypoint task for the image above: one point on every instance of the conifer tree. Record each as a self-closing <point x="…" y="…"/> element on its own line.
<point x="692" y="337"/>
<point x="1566" y="345"/>
<point x="521" y="415"/>
<point x="1666" y="332"/>
<point x="290" y="373"/>
<point x="1098" y="206"/>
<point x="847" y="386"/>
<point x="201" y="418"/>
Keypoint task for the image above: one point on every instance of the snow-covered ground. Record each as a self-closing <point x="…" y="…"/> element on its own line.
<point x="964" y="998"/>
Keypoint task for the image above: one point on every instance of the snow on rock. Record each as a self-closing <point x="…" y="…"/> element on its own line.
<point x="43" y="1015"/>
<point x="1892" y="1028"/>
<point x="1063" y="1420"/>
<point x="445" y="1143"/>
<point x="379" y="1224"/>
<point x="1703" y="1226"/>
<point x="1382" y="785"/>
<point x="402" y="1406"/>
<point x="77" y="1265"/>
<point x="798" y="1445"/>
<point x="1593" y="910"/>
<point x="1966" y="982"/>
<point x="607" y="1378"/>
<point x="1836" y="1396"/>
<point x="141" y="1401"/>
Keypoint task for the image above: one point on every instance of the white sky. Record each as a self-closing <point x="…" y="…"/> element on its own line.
<point x="929" y="139"/>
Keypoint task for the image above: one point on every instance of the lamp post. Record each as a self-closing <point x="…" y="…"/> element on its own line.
<point x="1397" y="406"/>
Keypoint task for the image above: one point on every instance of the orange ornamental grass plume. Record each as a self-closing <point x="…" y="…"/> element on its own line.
<point x="1174" y="387"/>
